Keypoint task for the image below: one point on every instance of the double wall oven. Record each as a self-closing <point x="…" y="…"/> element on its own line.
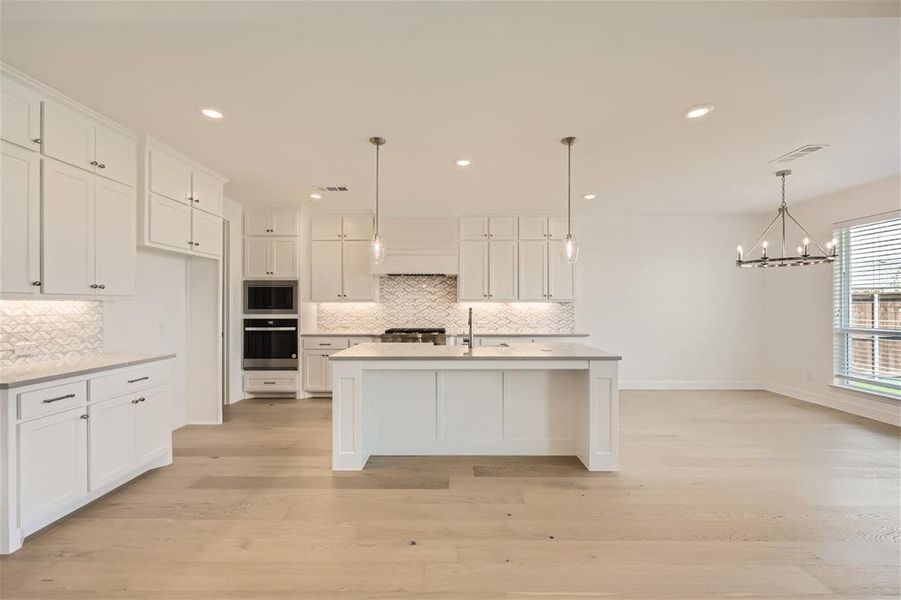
<point x="270" y="344"/>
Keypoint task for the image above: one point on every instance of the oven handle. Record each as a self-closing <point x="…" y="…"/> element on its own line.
<point x="270" y="329"/>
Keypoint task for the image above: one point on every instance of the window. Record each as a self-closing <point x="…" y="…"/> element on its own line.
<point x="867" y="303"/>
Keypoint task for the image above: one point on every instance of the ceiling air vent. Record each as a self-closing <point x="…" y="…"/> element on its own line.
<point x="799" y="153"/>
<point x="332" y="188"/>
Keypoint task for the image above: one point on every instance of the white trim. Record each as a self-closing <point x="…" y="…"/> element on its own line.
<point x="843" y="387"/>
<point x="870" y="408"/>
<point x="662" y="384"/>
<point x="886" y="216"/>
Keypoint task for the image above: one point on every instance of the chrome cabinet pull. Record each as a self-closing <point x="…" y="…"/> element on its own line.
<point x="49" y="400"/>
<point x="85" y="417"/>
<point x="102" y="286"/>
<point x="145" y="378"/>
<point x="36" y="283"/>
<point x="94" y="286"/>
<point x="37" y="140"/>
<point x="94" y="163"/>
<point x="268" y="383"/>
<point x="102" y="166"/>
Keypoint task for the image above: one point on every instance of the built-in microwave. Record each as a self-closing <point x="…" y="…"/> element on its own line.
<point x="270" y="297"/>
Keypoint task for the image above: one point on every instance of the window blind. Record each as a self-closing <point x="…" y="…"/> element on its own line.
<point x="867" y="305"/>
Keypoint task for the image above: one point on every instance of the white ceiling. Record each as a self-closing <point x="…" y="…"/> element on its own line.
<point x="303" y="85"/>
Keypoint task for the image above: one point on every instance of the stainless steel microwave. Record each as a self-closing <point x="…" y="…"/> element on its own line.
<point x="270" y="297"/>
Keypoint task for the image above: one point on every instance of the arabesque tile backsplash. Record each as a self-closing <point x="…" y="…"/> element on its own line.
<point x="431" y="301"/>
<point x="58" y="328"/>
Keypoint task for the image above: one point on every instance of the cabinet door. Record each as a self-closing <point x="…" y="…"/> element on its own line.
<point x="114" y="238"/>
<point x="257" y="222"/>
<point x="474" y="228"/>
<point x="206" y="233"/>
<point x="325" y="280"/>
<point x="532" y="270"/>
<point x="358" y="227"/>
<point x="111" y="432"/>
<point x="359" y="283"/>
<point x="53" y="464"/>
<point x="116" y="155"/>
<point x="502" y="228"/>
<point x="67" y="229"/>
<point x="207" y="193"/>
<point x="284" y="257"/>
<point x="502" y="268"/>
<point x="533" y="228"/>
<point x="68" y="135"/>
<point x="284" y="221"/>
<point x="169" y="223"/>
<point x="152" y="433"/>
<point x="21" y="110"/>
<point x="560" y="276"/>
<point x="169" y="176"/>
<point x="473" y="281"/>
<point x="556" y="228"/>
<point x="316" y="372"/>
<point x="256" y="258"/>
<point x="326" y="228"/>
<point x="20" y="219"/>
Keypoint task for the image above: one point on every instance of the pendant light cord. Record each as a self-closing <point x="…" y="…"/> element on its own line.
<point x="569" y="185"/>
<point x="377" y="148"/>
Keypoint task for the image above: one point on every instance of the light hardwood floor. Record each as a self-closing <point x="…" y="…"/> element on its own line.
<point x="721" y="494"/>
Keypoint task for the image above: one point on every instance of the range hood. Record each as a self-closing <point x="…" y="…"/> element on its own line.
<point x="419" y="246"/>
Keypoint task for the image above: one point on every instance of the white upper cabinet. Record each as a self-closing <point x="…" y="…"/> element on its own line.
<point x="278" y="221"/>
<point x="472" y="283"/>
<point x="20" y="107"/>
<point x="502" y="228"/>
<point x="561" y="274"/>
<point x="80" y="140"/>
<point x="270" y="258"/>
<point x="502" y="270"/>
<point x="256" y="258"/>
<point x="474" y="228"/>
<point x="69" y="135"/>
<point x="326" y="228"/>
<point x="206" y="234"/>
<point x="169" y="223"/>
<point x="284" y="257"/>
<point x="532" y="270"/>
<point x="169" y="176"/>
<point x="115" y="154"/>
<point x="114" y="245"/>
<point x="557" y="227"/>
<point x="326" y="281"/>
<point x="20" y="219"/>
<point x="357" y="227"/>
<point x="358" y="282"/>
<point x="206" y="192"/>
<point x="533" y="228"/>
<point x="68" y="229"/>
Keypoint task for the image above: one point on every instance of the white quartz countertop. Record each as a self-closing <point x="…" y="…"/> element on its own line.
<point x="57" y="369"/>
<point x="454" y="333"/>
<point x="534" y="351"/>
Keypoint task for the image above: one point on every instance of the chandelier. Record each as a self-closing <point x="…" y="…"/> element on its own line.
<point x="803" y="257"/>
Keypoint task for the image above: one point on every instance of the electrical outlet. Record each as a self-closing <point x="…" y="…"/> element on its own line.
<point x="26" y="349"/>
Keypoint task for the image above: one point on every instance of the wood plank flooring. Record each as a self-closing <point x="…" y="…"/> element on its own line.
<point x="721" y="494"/>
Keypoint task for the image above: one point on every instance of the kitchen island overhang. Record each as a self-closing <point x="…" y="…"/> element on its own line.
<point x="525" y="399"/>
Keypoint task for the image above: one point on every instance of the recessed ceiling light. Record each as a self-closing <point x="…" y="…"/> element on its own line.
<point x="211" y="113"/>
<point x="590" y="196"/>
<point x="698" y="111"/>
<point x="316" y="196"/>
<point x="464" y="162"/>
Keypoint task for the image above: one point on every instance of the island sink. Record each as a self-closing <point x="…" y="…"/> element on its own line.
<point x="525" y="399"/>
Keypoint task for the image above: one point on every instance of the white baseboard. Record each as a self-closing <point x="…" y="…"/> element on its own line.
<point x="663" y="384"/>
<point x="884" y="411"/>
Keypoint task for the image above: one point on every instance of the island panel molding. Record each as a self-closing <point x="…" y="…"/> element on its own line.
<point x="431" y="301"/>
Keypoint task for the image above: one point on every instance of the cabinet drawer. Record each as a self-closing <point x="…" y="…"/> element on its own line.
<point x="51" y="399"/>
<point x="126" y="381"/>
<point x="271" y="382"/>
<point x="327" y="342"/>
<point x="353" y="341"/>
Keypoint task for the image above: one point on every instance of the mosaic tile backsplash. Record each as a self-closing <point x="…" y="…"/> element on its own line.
<point x="58" y="329"/>
<point x="431" y="301"/>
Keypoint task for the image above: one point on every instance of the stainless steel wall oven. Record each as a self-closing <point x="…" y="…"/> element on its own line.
<point x="270" y="344"/>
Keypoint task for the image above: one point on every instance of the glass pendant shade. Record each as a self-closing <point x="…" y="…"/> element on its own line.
<point x="570" y="249"/>
<point x="376" y="250"/>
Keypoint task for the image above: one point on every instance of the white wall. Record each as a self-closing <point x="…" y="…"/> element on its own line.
<point x="154" y="319"/>
<point x="665" y="293"/>
<point x="798" y="308"/>
<point x="234" y="214"/>
<point x="203" y="400"/>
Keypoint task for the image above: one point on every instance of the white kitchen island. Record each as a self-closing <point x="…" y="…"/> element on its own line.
<point x="525" y="399"/>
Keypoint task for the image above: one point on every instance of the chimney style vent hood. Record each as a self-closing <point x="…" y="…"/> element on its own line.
<point x="419" y="246"/>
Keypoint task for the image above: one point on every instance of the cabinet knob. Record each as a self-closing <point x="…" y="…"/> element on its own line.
<point x="36" y="283"/>
<point x="93" y="286"/>
<point x="102" y="166"/>
<point x="38" y="141"/>
<point x="85" y="416"/>
<point x="94" y="163"/>
<point x="102" y="286"/>
<point x="196" y="243"/>
<point x="190" y="243"/>
<point x="197" y="200"/>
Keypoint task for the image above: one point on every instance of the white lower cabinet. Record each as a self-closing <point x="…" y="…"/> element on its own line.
<point x="52" y="465"/>
<point x="111" y="429"/>
<point x="270" y="382"/>
<point x="69" y="443"/>
<point x="317" y="371"/>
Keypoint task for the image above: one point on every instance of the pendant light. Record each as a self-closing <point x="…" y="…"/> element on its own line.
<point x="804" y="257"/>
<point x="377" y="247"/>
<point x="570" y="247"/>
